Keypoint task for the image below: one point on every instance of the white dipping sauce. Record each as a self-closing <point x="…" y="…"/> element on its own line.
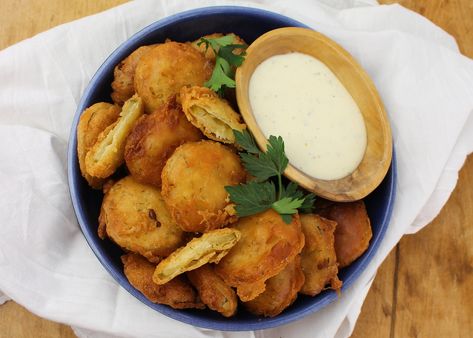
<point x="297" y="97"/>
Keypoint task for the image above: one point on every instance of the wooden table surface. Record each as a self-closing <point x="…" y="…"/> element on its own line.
<point x="425" y="286"/>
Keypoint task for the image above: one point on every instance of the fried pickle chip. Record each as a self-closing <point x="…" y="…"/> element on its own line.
<point x="162" y="72"/>
<point x="208" y="52"/>
<point x="249" y="291"/>
<point x="318" y="258"/>
<point x="107" y="154"/>
<point x="177" y="293"/>
<point x="213" y="291"/>
<point x="266" y="246"/>
<point x="154" y="138"/>
<point x="210" y="113"/>
<point x="93" y="121"/>
<point x="353" y="232"/>
<point x="193" y="185"/>
<point x="135" y="217"/>
<point x="124" y="75"/>
<point x="209" y="248"/>
<point x="281" y="291"/>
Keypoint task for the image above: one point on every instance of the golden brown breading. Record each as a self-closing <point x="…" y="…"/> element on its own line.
<point x="210" y="113"/>
<point x="281" y="291"/>
<point x="162" y="72"/>
<point x="318" y="258"/>
<point x="93" y="121"/>
<point x="135" y="217"/>
<point x="108" y="152"/>
<point x="176" y="293"/>
<point x="208" y="52"/>
<point x="353" y="232"/>
<point x="124" y="75"/>
<point x="249" y="291"/>
<point x="209" y="248"/>
<point x="153" y="140"/>
<point x="267" y="245"/>
<point x="193" y="185"/>
<point x="213" y="291"/>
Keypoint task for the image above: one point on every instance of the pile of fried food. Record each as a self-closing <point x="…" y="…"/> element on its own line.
<point x="185" y="245"/>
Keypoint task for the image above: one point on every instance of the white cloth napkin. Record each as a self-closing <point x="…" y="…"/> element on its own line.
<point x="46" y="264"/>
<point x="3" y="298"/>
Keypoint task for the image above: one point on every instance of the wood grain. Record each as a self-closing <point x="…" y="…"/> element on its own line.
<point x="435" y="266"/>
<point x="16" y="321"/>
<point x="377" y="157"/>
<point x="22" y="19"/>
<point x="436" y="271"/>
<point x="377" y="315"/>
<point x="433" y="276"/>
<point x="424" y="287"/>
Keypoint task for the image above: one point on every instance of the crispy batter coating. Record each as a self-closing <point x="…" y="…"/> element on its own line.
<point x="176" y="293"/>
<point x="108" y="152"/>
<point x="154" y="138"/>
<point x="93" y="121"/>
<point x="213" y="291"/>
<point x="267" y="245"/>
<point x="162" y="72"/>
<point x="209" y="248"/>
<point x="318" y="258"/>
<point x="211" y="114"/>
<point x="124" y="75"/>
<point x="193" y="185"/>
<point x="353" y="232"/>
<point x="135" y="217"/>
<point x="209" y="53"/>
<point x="281" y="291"/>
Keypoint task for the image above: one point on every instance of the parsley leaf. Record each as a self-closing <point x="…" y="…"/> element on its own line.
<point x="286" y="218"/>
<point x="253" y="197"/>
<point x="260" y="194"/>
<point x="225" y="61"/>
<point x="308" y="204"/>
<point x="287" y="205"/>
<point x="267" y="164"/>
<point x="220" y="77"/>
<point x="245" y="140"/>
<point x="291" y="190"/>
<point x="260" y="167"/>
<point x="216" y="43"/>
<point x="227" y="53"/>
<point x="275" y="153"/>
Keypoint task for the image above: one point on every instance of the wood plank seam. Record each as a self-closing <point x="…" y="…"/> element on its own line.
<point x="395" y="288"/>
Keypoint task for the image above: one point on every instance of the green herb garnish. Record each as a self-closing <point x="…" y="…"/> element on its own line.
<point x="225" y="61"/>
<point x="260" y="194"/>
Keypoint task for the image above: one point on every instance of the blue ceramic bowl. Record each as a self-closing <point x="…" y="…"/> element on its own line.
<point x="187" y="26"/>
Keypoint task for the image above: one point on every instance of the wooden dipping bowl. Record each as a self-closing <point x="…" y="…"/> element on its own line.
<point x="377" y="157"/>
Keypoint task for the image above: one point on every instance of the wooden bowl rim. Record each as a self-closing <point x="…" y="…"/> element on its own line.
<point x="292" y="172"/>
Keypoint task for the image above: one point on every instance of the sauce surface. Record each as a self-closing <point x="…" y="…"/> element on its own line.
<point x="298" y="97"/>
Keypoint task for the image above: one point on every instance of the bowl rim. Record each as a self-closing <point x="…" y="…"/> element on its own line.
<point x="73" y="174"/>
<point x="364" y="179"/>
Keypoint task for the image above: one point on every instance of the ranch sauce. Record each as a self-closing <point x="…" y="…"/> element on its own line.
<point x="297" y="97"/>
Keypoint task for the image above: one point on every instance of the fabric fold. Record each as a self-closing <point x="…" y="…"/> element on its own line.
<point x="45" y="262"/>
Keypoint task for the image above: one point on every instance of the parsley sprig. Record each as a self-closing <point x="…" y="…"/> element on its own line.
<point x="225" y="61"/>
<point x="261" y="194"/>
